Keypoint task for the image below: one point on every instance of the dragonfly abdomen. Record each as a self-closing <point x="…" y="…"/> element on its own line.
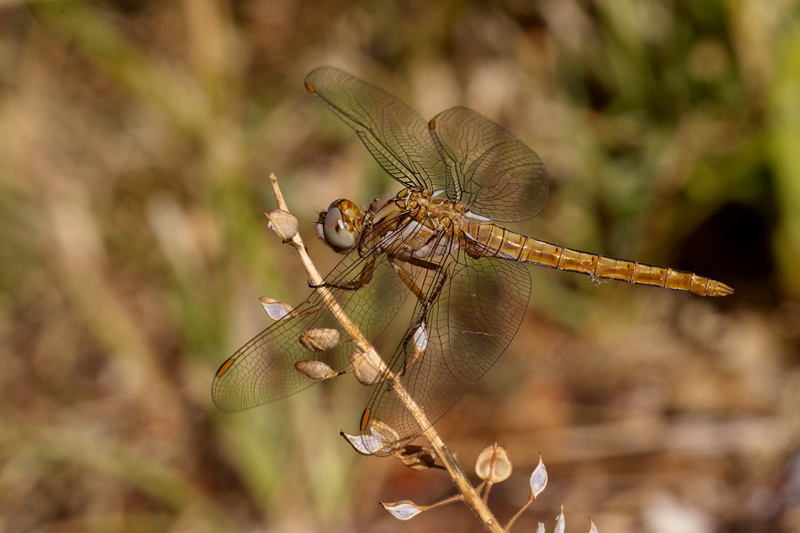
<point x="490" y="240"/>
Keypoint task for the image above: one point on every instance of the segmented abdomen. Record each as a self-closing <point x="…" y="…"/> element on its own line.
<point x="489" y="240"/>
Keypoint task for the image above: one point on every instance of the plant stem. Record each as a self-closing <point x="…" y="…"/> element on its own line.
<point x="464" y="487"/>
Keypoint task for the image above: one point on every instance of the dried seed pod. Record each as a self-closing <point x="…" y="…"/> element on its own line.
<point x="403" y="510"/>
<point x="364" y="444"/>
<point x="365" y="371"/>
<point x="561" y="521"/>
<point x="381" y="439"/>
<point x="283" y="223"/>
<point x="421" y="338"/>
<point x="319" y="339"/>
<point x="315" y="370"/>
<point x="493" y="464"/>
<point x="384" y="431"/>
<point x="417" y="457"/>
<point x="538" y="479"/>
<point x="275" y="308"/>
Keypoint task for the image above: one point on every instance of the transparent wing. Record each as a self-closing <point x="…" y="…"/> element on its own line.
<point x="263" y="370"/>
<point x="498" y="175"/>
<point x="396" y="135"/>
<point x="478" y="312"/>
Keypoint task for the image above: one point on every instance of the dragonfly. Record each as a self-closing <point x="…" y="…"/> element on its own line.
<point x="433" y="254"/>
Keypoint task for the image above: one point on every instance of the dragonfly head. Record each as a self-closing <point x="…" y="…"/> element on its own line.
<point x="340" y="226"/>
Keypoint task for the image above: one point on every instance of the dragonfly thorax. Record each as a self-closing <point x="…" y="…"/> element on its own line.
<point x="415" y="224"/>
<point x="429" y="208"/>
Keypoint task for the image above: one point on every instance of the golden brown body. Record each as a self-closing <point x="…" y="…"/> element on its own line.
<point x="434" y="226"/>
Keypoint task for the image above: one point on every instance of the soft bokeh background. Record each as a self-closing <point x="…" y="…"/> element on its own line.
<point x="135" y="142"/>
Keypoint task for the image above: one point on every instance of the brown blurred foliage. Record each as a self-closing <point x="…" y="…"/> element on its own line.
<point x="135" y="141"/>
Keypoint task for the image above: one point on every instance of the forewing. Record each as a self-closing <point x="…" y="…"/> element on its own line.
<point x="396" y="135"/>
<point x="263" y="369"/>
<point x="495" y="173"/>
<point x="472" y="322"/>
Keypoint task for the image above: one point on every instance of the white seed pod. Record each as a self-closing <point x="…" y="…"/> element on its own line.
<point x="381" y="439"/>
<point x="403" y="510"/>
<point x="538" y="479"/>
<point x="561" y="522"/>
<point x="364" y="444"/>
<point x="384" y="432"/>
<point x="420" y="338"/>
<point x="275" y="308"/>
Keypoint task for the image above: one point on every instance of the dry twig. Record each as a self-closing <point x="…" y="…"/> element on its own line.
<point x="467" y="492"/>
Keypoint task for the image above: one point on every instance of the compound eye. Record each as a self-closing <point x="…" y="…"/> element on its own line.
<point x="338" y="227"/>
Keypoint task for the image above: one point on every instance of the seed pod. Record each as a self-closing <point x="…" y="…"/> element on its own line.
<point x="363" y="368"/>
<point x="364" y="444"/>
<point x="381" y="439"/>
<point x="420" y="338"/>
<point x="403" y="510"/>
<point x="275" y="308"/>
<point x="538" y="479"/>
<point x="315" y="370"/>
<point x="385" y="433"/>
<point x="283" y="223"/>
<point x="493" y="464"/>
<point x="561" y="521"/>
<point x="319" y="339"/>
<point x="417" y="457"/>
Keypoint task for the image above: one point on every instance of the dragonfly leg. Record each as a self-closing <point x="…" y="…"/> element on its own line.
<point x="417" y="328"/>
<point x="409" y="280"/>
<point x="364" y="277"/>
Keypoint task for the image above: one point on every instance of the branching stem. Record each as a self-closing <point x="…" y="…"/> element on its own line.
<point x="464" y="487"/>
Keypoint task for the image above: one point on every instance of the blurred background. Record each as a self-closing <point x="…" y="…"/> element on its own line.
<point x="136" y="139"/>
